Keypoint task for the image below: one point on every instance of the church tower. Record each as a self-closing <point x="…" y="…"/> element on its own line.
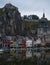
<point x="43" y="15"/>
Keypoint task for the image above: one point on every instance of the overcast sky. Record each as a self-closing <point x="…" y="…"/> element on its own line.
<point x="27" y="7"/>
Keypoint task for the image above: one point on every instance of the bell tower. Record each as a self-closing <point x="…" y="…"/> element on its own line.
<point x="43" y="15"/>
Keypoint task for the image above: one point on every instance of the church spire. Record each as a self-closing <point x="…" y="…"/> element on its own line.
<point x="43" y="15"/>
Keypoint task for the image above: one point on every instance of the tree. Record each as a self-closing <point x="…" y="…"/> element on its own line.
<point x="35" y="17"/>
<point x="25" y="17"/>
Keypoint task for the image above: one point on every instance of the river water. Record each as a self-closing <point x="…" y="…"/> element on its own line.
<point x="25" y="57"/>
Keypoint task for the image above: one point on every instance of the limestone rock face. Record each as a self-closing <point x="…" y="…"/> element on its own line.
<point x="11" y="20"/>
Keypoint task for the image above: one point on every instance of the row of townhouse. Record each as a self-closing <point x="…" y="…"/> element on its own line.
<point x="13" y="42"/>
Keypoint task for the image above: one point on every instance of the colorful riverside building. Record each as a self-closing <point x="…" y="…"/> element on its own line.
<point x="29" y="43"/>
<point x="6" y="44"/>
<point x="24" y="43"/>
<point x="13" y="44"/>
<point x="1" y="43"/>
<point x="20" y="43"/>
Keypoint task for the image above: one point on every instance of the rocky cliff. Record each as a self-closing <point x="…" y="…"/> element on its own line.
<point x="10" y="20"/>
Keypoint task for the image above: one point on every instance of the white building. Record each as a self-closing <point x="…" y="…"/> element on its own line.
<point x="37" y="42"/>
<point x="29" y="43"/>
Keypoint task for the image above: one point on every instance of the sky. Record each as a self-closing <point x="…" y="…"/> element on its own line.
<point x="30" y="7"/>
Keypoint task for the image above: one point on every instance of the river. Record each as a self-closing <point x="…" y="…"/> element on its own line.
<point x="25" y="57"/>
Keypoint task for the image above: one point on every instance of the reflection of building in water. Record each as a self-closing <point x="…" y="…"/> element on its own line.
<point x="28" y="54"/>
<point x="48" y="54"/>
<point x="25" y="54"/>
<point x="21" y="54"/>
<point x="13" y="54"/>
<point x="37" y="54"/>
<point x="6" y="55"/>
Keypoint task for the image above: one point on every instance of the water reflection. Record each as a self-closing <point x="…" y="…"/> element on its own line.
<point x="36" y="56"/>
